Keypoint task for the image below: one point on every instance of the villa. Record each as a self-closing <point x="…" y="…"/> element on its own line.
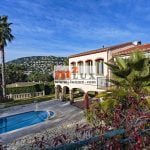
<point x="88" y="72"/>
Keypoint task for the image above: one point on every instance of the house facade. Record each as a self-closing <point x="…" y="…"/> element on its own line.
<point x="88" y="72"/>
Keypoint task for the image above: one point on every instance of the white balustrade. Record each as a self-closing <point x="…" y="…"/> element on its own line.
<point x="25" y="95"/>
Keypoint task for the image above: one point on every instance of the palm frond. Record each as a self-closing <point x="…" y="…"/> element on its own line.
<point x="5" y="31"/>
<point x="121" y="63"/>
<point x="131" y="73"/>
<point x="112" y="66"/>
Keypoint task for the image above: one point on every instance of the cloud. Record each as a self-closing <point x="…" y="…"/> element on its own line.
<point x="65" y="27"/>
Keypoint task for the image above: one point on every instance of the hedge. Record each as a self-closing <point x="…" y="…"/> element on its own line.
<point x="48" y="88"/>
<point x="25" y="89"/>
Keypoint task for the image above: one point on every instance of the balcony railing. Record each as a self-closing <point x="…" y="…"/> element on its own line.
<point x="62" y="81"/>
<point x="100" y="82"/>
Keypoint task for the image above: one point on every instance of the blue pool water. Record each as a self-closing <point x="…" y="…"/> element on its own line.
<point x="17" y="121"/>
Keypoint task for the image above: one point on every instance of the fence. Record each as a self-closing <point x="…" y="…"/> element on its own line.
<point x="108" y="135"/>
<point x="25" y="95"/>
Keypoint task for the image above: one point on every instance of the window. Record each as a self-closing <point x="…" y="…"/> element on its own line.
<point x="80" y="67"/>
<point x="89" y="66"/>
<point x="99" y="66"/>
<point x="74" y="68"/>
<point x="73" y="64"/>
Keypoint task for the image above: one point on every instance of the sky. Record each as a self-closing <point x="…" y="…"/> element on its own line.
<point x="65" y="27"/>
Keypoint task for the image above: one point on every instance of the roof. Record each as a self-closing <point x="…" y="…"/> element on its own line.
<point x="143" y="47"/>
<point x="102" y="49"/>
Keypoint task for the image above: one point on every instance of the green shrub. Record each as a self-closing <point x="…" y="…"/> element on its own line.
<point x="78" y="95"/>
<point x="48" y="88"/>
<point x="91" y="94"/>
<point x="25" y="89"/>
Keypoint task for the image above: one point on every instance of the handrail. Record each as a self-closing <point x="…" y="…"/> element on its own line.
<point x="108" y="135"/>
<point x="25" y="95"/>
<point x="81" y="143"/>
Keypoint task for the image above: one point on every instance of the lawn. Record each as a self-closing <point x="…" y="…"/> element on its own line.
<point x="21" y="84"/>
<point x="27" y="101"/>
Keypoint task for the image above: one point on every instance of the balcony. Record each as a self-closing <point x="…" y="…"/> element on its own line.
<point x="99" y="82"/>
<point x="63" y="75"/>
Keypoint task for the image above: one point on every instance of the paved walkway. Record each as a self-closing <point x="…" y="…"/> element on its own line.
<point x="64" y="113"/>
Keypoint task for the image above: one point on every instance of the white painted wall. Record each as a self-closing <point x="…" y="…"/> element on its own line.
<point x="92" y="87"/>
<point x="87" y="87"/>
<point x="92" y="57"/>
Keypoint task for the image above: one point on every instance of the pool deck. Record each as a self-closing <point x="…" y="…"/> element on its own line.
<point x="64" y="113"/>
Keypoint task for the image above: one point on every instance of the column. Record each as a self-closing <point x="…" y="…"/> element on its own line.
<point x="91" y="66"/>
<point x="56" y="93"/>
<point x="71" y="96"/>
<point x="83" y="67"/>
<point x="64" y="94"/>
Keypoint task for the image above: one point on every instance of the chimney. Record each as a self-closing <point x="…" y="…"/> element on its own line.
<point x="137" y="42"/>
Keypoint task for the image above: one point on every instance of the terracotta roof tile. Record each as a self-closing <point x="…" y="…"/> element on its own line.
<point x="143" y="47"/>
<point x="102" y="50"/>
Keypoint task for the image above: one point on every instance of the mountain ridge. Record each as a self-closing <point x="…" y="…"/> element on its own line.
<point x="39" y="63"/>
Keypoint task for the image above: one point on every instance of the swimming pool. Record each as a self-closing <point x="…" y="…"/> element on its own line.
<point x="17" y="121"/>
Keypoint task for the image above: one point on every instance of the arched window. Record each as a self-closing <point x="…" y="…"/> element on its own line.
<point x="73" y="63"/>
<point x="80" y="67"/>
<point x="74" y="68"/>
<point x="89" y="66"/>
<point x="99" y="66"/>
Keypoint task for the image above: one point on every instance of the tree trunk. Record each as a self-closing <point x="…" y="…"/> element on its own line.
<point x="3" y="72"/>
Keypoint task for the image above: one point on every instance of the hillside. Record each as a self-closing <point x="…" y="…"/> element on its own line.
<point x="39" y="63"/>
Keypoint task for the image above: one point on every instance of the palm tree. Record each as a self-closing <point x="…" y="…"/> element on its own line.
<point x="132" y="73"/>
<point x="124" y="105"/>
<point x="5" y="37"/>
